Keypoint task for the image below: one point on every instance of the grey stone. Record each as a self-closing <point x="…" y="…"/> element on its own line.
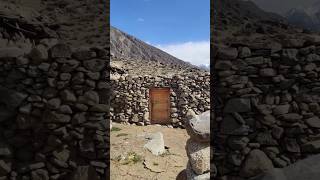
<point x="193" y="176"/>
<point x="68" y="96"/>
<point x="5" y="168"/>
<point x="313" y="122"/>
<point x="268" y="72"/>
<point x="227" y="53"/>
<point x="11" y="52"/>
<point x="38" y="54"/>
<point x="198" y="127"/>
<point x="89" y="98"/>
<point x="237" y="143"/>
<point x="281" y="109"/>
<point x="256" y="162"/>
<point x="94" y="65"/>
<point x="238" y="105"/>
<point x="291" y="117"/>
<point x="155" y="143"/>
<point x="311" y="147"/>
<point x="84" y="173"/>
<point x="60" y="51"/>
<point x="199" y="156"/>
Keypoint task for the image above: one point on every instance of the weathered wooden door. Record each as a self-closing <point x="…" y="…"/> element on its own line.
<point x="160" y="105"/>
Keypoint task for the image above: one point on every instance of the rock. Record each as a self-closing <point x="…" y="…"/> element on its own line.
<point x="303" y="169"/>
<point x="256" y="162"/>
<point x="245" y="52"/>
<point x="79" y="118"/>
<point x="68" y="96"/>
<point x="40" y="174"/>
<point x="311" y="147"/>
<point x="55" y="117"/>
<point x="223" y="65"/>
<point x="38" y="54"/>
<point x="281" y="109"/>
<point x="62" y="155"/>
<point x="268" y="72"/>
<point x="65" y="109"/>
<point x="291" y="117"/>
<point x="313" y="122"/>
<point x="83" y="53"/>
<point x="155" y="143"/>
<point x="84" y="173"/>
<point x="237" y="143"/>
<point x="199" y="156"/>
<point x="94" y="65"/>
<point x="60" y="51"/>
<point x="100" y="108"/>
<point x="193" y="176"/>
<point x="255" y="61"/>
<point x="277" y="132"/>
<point x="9" y="100"/>
<point x="89" y="98"/>
<point x="265" y="138"/>
<point x="291" y="145"/>
<point x="230" y="126"/>
<point x="227" y="53"/>
<point x="5" y="168"/>
<point x="54" y="103"/>
<point x="11" y="52"/>
<point x="238" y="105"/>
<point x="198" y="127"/>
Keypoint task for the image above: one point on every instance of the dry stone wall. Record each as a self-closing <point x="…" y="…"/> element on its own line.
<point x="268" y="106"/>
<point x="54" y="107"/>
<point x="130" y="98"/>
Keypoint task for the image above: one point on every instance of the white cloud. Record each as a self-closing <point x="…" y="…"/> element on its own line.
<point x="197" y="52"/>
<point x="140" y="19"/>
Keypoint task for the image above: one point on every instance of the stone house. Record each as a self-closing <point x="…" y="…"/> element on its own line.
<point x="158" y="99"/>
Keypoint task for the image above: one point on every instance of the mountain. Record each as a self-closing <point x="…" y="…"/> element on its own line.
<point x="125" y="46"/>
<point x="307" y="18"/>
<point x="234" y="13"/>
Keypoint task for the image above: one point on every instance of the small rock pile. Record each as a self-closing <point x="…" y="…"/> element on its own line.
<point x="198" y="146"/>
<point x="54" y="112"/>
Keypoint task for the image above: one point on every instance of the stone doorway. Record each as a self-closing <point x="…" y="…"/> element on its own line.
<point x="160" y="105"/>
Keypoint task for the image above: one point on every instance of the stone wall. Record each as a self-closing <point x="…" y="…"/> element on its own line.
<point x="268" y="106"/>
<point x="53" y="112"/>
<point x="130" y="98"/>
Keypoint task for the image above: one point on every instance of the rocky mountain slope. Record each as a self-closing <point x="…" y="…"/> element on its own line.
<point x="74" y="22"/>
<point x="127" y="47"/>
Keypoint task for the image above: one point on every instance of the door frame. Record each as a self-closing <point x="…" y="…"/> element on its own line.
<point x="169" y="103"/>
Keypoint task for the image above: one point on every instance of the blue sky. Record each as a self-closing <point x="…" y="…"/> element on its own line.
<point x="178" y="27"/>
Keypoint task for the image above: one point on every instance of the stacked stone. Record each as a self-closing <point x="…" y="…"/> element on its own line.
<point x="269" y="116"/>
<point x="198" y="146"/>
<point x="130" y="99"/>
<point x="54" y="111"/>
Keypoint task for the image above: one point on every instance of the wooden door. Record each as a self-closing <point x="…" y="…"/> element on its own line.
<point x="160" y="105"/>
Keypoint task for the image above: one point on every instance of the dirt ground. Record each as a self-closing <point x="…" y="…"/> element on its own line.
<point x="130" y="161"/>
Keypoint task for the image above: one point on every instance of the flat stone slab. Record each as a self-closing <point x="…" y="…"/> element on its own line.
<point x="155" y="144"/>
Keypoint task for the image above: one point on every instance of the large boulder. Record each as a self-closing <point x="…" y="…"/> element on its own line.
<point x="305" y="169"/>
<point x="199" y="156"/>
<point x="198" y="127"/>
<point x="257" y="162"/>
